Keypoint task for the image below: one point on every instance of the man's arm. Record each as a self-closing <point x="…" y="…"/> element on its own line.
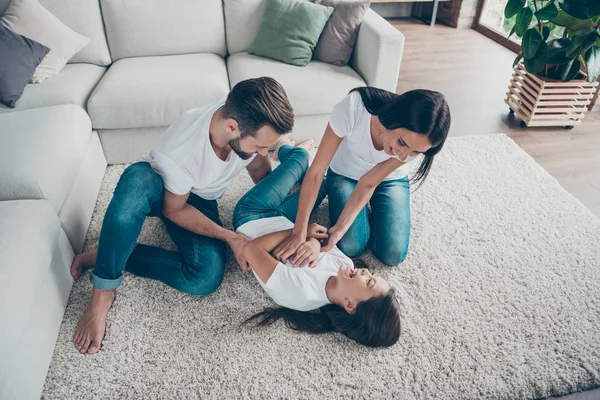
<point x="259" y="168"/>
<point x="176" y="209"/>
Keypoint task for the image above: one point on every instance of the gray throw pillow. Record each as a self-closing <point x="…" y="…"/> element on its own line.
<point x="20" y="57"/>
<point x="337" y="40"/>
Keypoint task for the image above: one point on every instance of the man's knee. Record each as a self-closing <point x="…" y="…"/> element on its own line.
<point x="138" y="189"/>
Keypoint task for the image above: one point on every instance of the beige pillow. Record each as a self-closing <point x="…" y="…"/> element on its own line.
<point x="30" y="19"/>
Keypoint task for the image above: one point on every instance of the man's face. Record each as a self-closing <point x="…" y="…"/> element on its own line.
<point x="247" y="146"/>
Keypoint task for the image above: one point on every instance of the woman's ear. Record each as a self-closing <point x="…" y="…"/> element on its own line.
<point x="349" y="306"/>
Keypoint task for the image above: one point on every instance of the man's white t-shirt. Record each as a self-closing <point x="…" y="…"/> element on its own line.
<point x="185" y="159"/>
<point x="301" y="289"/>
<point x="356" y="155"/>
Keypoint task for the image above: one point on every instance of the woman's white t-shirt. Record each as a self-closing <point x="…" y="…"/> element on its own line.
<point x="186" y="161"/>
<point x="301" y="289"/>
<point x="356" y="155"/>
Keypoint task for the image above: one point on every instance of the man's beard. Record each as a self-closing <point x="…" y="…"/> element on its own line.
<point x="235" y="146"/>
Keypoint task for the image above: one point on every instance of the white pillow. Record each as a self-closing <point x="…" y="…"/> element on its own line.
<point x="30" y="19"/>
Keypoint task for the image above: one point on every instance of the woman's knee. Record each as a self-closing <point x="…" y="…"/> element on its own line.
<point x="352" y="245"/>
<point x="391" y="255"/>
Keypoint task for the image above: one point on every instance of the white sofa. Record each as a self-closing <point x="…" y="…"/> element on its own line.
<point x="148" y="62"/>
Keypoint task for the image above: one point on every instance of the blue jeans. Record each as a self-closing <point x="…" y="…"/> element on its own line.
<point x="389" y="228"/>
<point x="269" y="197"/>
<point x="197" y="268"/>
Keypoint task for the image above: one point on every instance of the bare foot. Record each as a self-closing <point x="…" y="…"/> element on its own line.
<point x="92" y="325"/>
<point x="308" y="145"/>
<point x="81" y="263"/>
<point x="282" y="142"/>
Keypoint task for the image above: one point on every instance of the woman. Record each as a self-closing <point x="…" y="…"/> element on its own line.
<point x="371" y="137"/>
<point x="330" y="294"/>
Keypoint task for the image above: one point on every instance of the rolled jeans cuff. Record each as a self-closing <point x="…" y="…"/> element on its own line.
<point x="105" y="284"/>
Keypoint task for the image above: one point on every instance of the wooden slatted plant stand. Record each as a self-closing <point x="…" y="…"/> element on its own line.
<point x="541" y="102"/>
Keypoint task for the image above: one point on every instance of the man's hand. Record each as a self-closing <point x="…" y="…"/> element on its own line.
<point x="237" y="245"/>
<point x="335" y="235"/>
<point x="307" y="254"/>
<point x="316" y="231"/>
<point x="289" y="246"/>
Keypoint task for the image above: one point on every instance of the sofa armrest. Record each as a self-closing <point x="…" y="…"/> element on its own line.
<point x="378" y="52"/>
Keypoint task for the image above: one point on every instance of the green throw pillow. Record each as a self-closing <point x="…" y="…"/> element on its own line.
<point x="290" y="30"/>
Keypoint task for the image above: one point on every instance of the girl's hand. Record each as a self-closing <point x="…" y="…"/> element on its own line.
<point x="307" y="254"/>
<point x="288" y="247"/>
<point x="335" y="235"/>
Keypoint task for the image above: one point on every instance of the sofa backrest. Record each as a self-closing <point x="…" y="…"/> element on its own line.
<point x="137" y="28"/>
<point x="84" y="17"/>
<point x="242" y="19"/>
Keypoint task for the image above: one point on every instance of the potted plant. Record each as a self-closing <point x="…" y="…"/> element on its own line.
<point x="555" y="75"/>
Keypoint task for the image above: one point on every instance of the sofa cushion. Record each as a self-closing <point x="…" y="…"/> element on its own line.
<point x="137" y="28"/>
<point x="72" y="85"/>
<point x="83" y="16"/>
<point x="41" y="151"/>
<point x="242" y="19"/>
<point x="313" y="89"/>
<point x="153" y="91"/>
<point x="34" y="289"/>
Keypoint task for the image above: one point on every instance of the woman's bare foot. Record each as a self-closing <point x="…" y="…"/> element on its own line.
<point x="92" y="325"/>
<point x="81" y="263"/>
<point x="282" y="142"/>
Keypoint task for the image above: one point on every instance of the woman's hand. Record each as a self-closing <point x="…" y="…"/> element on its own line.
<point x="316" y="231"/>
<point x="335" y="235"/>
<point x="307" y="254"/>
<point x="288" y="247"/>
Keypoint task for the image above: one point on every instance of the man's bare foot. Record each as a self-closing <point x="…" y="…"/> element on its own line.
<point x="92" y="325"/>
<point x="81" y="263"/>
<point x="282" y="142"/>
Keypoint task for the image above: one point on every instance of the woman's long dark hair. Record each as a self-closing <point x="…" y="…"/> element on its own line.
<point x="421" y="111"/>
<point x="375" y="322"/>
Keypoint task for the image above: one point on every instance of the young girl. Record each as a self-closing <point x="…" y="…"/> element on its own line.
<point x="371" y="136"/>
<point x="329" y="294"/>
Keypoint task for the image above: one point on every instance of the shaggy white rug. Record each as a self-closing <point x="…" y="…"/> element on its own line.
<point x="499" y="295"/>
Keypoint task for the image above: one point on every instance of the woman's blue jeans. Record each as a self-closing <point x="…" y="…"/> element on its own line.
<point x="389" y="226"/>
<point x="269" y="197"/>
<point x="197" y="268"/>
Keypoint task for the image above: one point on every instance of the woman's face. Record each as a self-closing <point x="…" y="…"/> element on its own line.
<point x="403" y="143"/>
<point x="358" y="284"/>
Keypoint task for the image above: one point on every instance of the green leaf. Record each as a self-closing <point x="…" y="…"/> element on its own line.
<point x="537" y="63"/>
<point x="576" y="8"/>
<point x="531" y="42"/>
<point x="546" y="33"/>
<point x="513" y="7"/>
<point x="524" y="18"/>
<point x="512" y="31"/>
<point x="570" y="70"/>
<point x="557" y="51"/>
<point x="594" y="9"/>
<point x="564" y="19"/>
<point x="581" y="42"/>
<point x="592" y="62"/>
<point x="517" y="59"/>
<point x="547" y="12"/>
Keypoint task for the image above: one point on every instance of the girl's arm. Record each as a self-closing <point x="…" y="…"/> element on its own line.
<point x="308" y="194"/>
<point x="258" y="253"/>
<point x="359" y="198"/>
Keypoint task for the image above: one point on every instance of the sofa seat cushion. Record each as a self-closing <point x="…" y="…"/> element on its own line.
<point x="153" y="91"/>
<point x="34" y="289"/>
<point x="41" y="152"/>
<point x="72" y="85"/>
<point x="313" y="89"/>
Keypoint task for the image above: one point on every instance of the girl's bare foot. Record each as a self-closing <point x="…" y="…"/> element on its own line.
<point x="282" y="142"/>
<point x="308" y="145"/>
<point x="92" y="325"/>
<point x="81" y="263"/>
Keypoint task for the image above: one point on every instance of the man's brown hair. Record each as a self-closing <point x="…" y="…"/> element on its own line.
<point x="254" y="103"/>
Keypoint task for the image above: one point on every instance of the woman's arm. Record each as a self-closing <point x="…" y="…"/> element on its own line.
<point x="258" y="253"/>
<point x="308" y="194"/>
<point x="359" y="198"/>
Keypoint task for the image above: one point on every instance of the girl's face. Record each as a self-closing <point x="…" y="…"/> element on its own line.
<point x="358" y="284"/>
<point x="404" y="144"/>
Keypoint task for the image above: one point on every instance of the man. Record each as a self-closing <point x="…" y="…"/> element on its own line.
<point x="181" y="179"/>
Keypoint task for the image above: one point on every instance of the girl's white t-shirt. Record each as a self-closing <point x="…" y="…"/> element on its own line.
<point x="186" y="161"/>
<point x="357" y="155"/>
<point x="301" y="289"/>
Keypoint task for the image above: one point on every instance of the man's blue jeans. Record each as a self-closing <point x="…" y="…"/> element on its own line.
<point x="389" y="228"/>
<point x="197" y="268"/>
<point x="269" y="197"/>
